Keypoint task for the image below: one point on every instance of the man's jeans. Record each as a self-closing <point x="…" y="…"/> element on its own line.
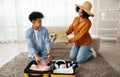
<point x="42" y="54"/>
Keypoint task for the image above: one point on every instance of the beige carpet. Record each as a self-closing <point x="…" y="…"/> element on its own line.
<point x="92" y="68"/>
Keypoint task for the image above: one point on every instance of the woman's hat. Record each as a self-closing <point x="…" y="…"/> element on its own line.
<point x="86" y="6"/>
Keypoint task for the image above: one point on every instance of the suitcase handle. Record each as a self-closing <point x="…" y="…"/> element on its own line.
<point x="30" y="75"/>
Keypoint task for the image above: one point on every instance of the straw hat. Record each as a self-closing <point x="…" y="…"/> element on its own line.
<point x="86" y="6"/>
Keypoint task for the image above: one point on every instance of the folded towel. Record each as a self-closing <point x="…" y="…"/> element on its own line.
<point x="58" y="37"/>
<point x="52" y="37"/>
<point x="64" y="70"/>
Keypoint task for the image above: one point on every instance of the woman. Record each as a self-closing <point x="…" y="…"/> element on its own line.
<point x="81" y="24"/>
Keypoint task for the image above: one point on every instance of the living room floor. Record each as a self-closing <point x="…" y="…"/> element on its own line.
<point x="109" y="50"/>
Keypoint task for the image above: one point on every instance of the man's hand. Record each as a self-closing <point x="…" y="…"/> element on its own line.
<point x="38" y="61"/>
<point x="49" y="57"/>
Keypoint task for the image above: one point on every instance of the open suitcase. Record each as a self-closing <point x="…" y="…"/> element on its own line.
<point x="53" y="66"/>
<point x="31" y="73"/>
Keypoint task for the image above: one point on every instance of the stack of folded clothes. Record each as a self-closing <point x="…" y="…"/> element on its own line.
<point x="39" y="67"/>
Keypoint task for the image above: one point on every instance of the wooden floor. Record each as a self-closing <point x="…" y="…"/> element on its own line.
<point x="111" y="52"/>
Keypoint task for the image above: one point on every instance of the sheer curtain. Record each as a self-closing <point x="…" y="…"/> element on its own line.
<point x="14" y="15"/>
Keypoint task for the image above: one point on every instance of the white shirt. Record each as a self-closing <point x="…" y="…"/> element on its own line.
<point x="36" y="37"/>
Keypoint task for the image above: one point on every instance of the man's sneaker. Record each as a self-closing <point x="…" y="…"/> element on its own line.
<point x="94" y="54"/>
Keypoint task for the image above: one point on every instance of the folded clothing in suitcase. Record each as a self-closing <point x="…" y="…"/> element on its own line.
<point x="61" y="68"/>
<point x="34" y="70"/>
<point x="39" y="67"/>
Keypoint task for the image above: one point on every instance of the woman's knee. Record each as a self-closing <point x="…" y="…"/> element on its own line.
<point x="83" y="54"/>
<point x="72" y="57"/>
<point x="74" y="52"/>
<point x="80" y="60"/>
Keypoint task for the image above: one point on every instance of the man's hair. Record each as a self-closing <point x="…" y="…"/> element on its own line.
<point x="34" y="15"/>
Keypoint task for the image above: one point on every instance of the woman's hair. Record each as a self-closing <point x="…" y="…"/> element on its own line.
<point x="34" y="15"/>
<point x="84" y="14"/>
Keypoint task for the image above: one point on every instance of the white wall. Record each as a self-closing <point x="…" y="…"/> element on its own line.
<point x="14" y="15"/>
